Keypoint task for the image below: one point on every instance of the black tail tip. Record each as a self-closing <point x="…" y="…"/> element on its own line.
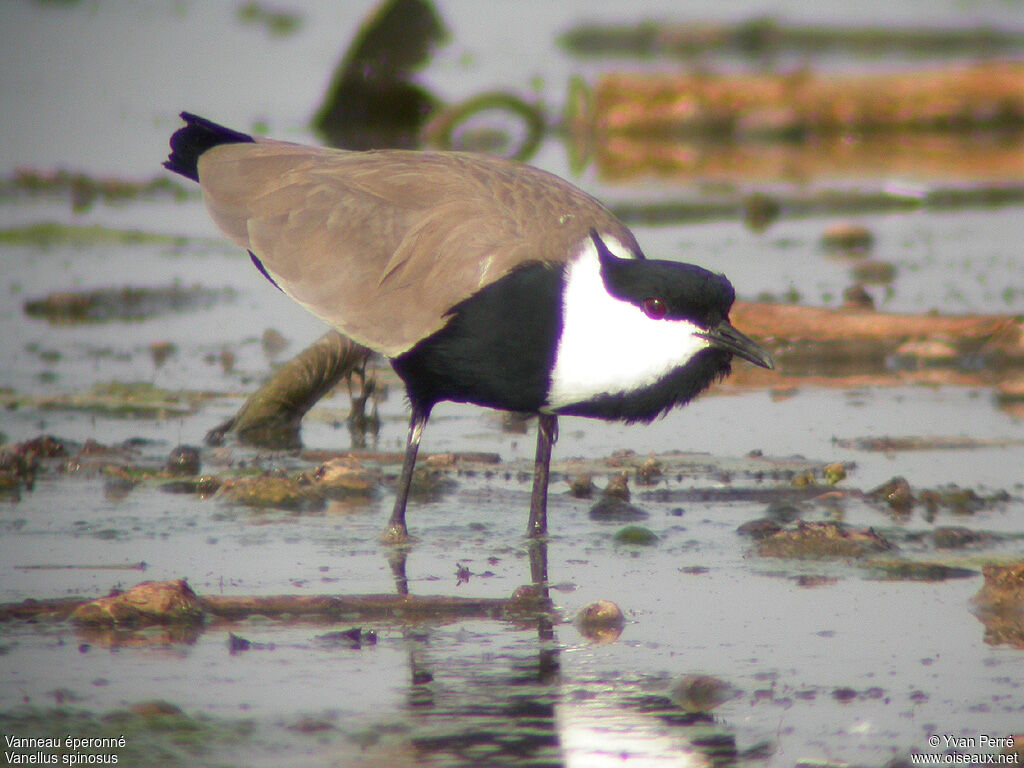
<point x="198" y="135"/>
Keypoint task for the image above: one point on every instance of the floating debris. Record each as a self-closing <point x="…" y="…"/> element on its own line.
<point x="354" y="638"/>
<point x="277" y="23"/>
<point x="958" y="537"/>
<point x="873" y="272"/>
<point x="846" y="238"/>
<point x="106" y="305"/>
<point x="822" y="540"/>
<point x="916" y="570"/>
<point x="888" y="444"/>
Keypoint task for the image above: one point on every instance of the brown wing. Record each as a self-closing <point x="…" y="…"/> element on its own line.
<point x="382" y="244"/>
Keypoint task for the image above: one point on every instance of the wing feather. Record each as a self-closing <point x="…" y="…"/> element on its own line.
<point x="382" y="244"/>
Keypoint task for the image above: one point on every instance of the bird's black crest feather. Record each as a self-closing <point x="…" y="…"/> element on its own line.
<point x="198" y="135"/>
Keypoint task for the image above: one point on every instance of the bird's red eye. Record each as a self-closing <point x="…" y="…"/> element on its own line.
<point x="655" y="308"/>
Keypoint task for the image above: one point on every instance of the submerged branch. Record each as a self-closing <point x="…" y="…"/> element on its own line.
<point x="272" y="416"/>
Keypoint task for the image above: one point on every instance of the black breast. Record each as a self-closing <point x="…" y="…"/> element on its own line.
<point x="647" y="403"/>
<point x="498" y="348"/>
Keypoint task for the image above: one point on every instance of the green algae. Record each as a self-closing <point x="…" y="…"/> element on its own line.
<point x="84" y="190"/>
<point x="130" y="400"/>
<point x="47" y="234"/>
<point x="123" y="303"/>
<point x="636" y="535"/>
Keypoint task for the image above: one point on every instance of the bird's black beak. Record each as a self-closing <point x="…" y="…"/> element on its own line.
<point x="724" y="336"/>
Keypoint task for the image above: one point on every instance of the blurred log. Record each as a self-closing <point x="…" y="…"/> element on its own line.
<point x="380" y="607"/>
<point x="782" y="324"/>
<point x="801" y="105"/>
<point x="355" y="607"/>
<point x="992" y="157"/>
<point x="765" y="37"/>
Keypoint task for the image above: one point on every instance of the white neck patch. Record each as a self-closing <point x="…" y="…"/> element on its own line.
<point x="609" y="346"/>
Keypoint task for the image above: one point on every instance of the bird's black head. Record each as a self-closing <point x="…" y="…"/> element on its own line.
<point x="673" y="291"/>
<point x="667" y="289"/>
<point x="639" y="337"/>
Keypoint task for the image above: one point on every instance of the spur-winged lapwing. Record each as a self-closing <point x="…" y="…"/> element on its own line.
<point x="481" y="280"/>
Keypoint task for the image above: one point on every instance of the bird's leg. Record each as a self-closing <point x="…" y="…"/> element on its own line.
<point x="547" y="434"/>
<point x="396" y="532"/>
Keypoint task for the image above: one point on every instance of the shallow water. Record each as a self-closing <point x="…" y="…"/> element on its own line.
<point x="856" y="670"/>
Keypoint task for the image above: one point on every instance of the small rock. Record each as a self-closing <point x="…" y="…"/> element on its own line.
<point x="273" y="342"/>
<point x="804" y="480"/>
<point x="273" y="491"/>
<point x="308" y="724"/>
<point x="528" y="598"/>
<point x="1003" y="588"/>
<point x="808" y="580"/>
<point x="183" y="460"/>
<point x="515" y="423"/>
<point x="759" y="211"/>
<point x="613" y="509"/>
<point x="783" y="512"/>
<point x="856" y="297"/>
<point x="618" y="487"/>
<point x="344" y="477"/>
<point x="696" y="694"/>
<point x="649" y="473"/>
<point x="896" y="493"/>
<point x="844" y="694"/>
<point x="834" y="473"/>
<point x="601" y="621"/>
<point x="431" y="484"/>
<point x="581" y="486"/>
<point x="151" y="602"/>
<point x="154" y="708"/>
<point x="759" y="529"/>
<point x="159" y="351"/>
<point x="43" y="447"/>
